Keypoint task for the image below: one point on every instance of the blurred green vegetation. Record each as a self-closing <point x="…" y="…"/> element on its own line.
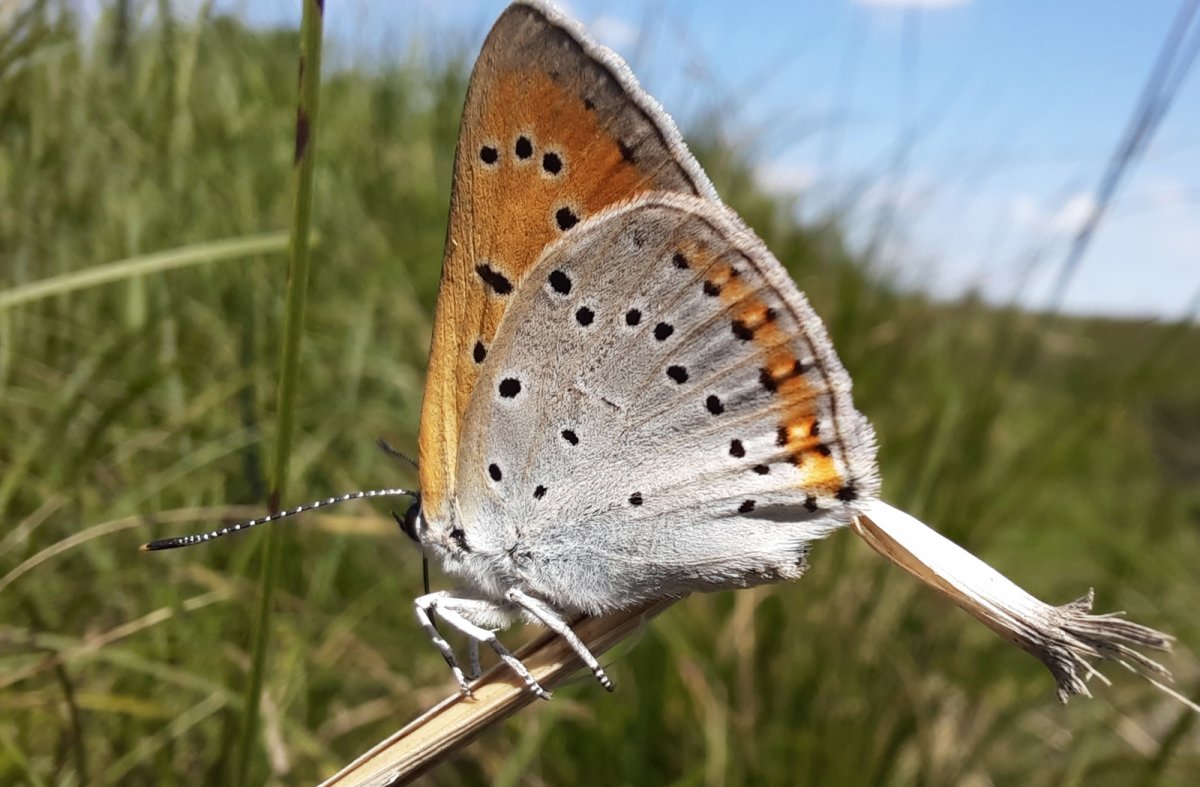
<point x="1064" y="451"/>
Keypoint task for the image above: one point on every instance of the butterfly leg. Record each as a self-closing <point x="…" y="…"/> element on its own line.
<point x="424" y="605"/>
<point x="474" y="670"/>
<point x="553" y="620"/>
<point x="457" y="613"/>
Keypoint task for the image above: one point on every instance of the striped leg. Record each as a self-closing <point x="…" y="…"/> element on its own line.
<point x="456" y="612"/>
<point x="424" y="605"/>
<point x="554" y="621"/>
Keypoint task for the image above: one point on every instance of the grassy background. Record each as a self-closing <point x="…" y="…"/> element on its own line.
<point x="1064" y="451"/>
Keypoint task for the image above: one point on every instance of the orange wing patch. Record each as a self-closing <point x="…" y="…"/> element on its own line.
<point x="553" y="131"/>
<point x="782" y="374"/>
<point x="551" y="171"/>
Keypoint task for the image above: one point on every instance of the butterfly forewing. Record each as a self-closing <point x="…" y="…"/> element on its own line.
<point x="554" y="130"/>
<point x="661" y="412"/>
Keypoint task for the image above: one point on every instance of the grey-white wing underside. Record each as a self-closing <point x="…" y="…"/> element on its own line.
<point x="660" y="412"/>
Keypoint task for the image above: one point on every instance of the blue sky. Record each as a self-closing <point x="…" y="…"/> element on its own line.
<point x="976" y="130"/>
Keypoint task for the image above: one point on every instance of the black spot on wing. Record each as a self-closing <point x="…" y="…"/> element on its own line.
<point x="560" y="282"/>
<point x="494" y="279"/>
<point x="742" y="330"/>
<point x="565" y="218"/>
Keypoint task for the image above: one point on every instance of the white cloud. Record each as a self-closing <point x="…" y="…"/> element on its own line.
<point x="784" y="179"/>
<point x="1065" y="219"/>
<point x="929" y="4"/>
<point x="1164" y="194"/>
<point x="1025" y="212"/>
<point x="1069" y="218"/>
<point x="910" y="196"/>
<point x="613" y="32"/>
<point x="1181" y="240"/>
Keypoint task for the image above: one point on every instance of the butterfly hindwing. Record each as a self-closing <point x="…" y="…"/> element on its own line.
<point x="555" y="129"/>
<point x="661" y="412"/>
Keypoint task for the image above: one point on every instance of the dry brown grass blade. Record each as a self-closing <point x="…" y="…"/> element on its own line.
<point x="456" y="721"/>
<point x="1065" y="638"/>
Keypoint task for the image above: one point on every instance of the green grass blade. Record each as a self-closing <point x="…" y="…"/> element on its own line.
<point x="307" y="114"/>
<point x="144" y="264"/>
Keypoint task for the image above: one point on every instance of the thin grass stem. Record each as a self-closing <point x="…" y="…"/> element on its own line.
<point x="311" y="29"/>
<point x="456" y="721"/>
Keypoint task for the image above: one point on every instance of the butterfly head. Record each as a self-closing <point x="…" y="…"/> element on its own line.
<point x="446" y="542"/>
<point x="413" y="524"/>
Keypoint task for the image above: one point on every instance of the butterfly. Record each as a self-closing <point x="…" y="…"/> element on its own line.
<point x="628" y="398"/>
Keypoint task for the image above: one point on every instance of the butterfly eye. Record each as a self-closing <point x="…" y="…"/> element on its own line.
<point x="413" y="522"/>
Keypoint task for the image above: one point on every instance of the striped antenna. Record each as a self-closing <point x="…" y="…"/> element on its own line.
<point x="200" y="538"/>
<point x="395" y="454"/>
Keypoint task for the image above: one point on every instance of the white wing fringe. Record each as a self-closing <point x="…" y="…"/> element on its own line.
<point x="1064" y="638"/>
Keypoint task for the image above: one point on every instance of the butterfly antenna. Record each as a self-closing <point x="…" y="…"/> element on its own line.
<point x="200" y="538"/>
<point x="392" y="452"/>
